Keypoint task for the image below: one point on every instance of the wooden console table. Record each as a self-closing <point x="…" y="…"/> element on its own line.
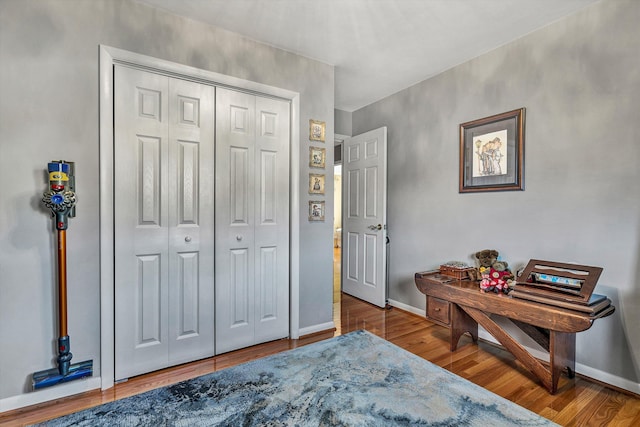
<point x="461" y="306"/>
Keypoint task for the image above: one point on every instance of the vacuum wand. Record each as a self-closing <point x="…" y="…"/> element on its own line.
<point x="64" y="347"/>
<point x="61" y="199"/>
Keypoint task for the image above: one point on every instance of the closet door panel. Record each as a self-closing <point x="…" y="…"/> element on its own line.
<point x="141" y="216"/>
<point x="272" y="219"/>
<point x="191" y="221"/>
<point x="252" y="219"/>
<point x="164" y="221"/>
<point x="235" y="207"/>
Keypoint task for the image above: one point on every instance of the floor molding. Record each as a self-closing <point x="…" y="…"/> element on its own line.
<point x="405" y="307"/>
<point x="322" y="327"/>
<point x="47" y="394"/>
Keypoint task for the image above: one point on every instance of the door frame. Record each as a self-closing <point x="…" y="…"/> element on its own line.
<point x="109" y="56"/>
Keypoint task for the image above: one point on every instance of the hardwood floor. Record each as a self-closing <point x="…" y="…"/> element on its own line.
<point x="578" y="402"/>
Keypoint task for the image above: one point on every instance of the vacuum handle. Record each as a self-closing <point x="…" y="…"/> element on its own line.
<point x="62" y="282"/>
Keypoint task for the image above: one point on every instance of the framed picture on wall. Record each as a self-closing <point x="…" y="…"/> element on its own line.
<point x="492" y="153"/>
<point x="316" y="183"/>
<point x="316" y="210"/>
<point x="316" y="130"/>
<point x="317" y="157"/>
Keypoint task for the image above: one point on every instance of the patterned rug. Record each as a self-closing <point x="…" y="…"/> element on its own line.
<point x="355" y="379"/>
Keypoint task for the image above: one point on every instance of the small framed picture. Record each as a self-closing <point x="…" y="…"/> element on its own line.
<point x="317" y="157"/>
<point x="316" y="183"/>
<point x="316" y="210"/>
<point x="316" y="130"/>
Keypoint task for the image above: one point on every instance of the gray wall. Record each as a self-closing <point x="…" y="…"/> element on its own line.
<point x="343" y="121"/>
<point x="49" y="110"/>
<point x="579" y="80"/>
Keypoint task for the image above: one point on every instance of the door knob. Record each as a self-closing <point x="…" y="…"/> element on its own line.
<point x="375" y="227"/>
<point x="238" y="237"/>
<point x="187" y="239"/>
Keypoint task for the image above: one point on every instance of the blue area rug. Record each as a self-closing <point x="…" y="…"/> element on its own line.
<point x="355" y="379"/>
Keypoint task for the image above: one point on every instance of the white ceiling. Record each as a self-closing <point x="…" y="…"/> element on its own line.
<point x="378" y="47"/>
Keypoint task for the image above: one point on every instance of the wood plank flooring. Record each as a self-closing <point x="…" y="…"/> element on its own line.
<point x="578" y="402"/>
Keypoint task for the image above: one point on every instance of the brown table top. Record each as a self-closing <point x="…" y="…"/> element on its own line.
<point x="468" y="293"/>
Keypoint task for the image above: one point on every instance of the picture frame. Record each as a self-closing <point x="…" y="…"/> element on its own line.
<point x="316" y="183"/>
<point x="316" y="210"/>
<point x="492" y="153"/>
<point x="316" y="130"/>
<point x="317" y="157"/>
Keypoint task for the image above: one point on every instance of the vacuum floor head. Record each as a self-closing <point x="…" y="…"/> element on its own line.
<point x="51" y="377"/>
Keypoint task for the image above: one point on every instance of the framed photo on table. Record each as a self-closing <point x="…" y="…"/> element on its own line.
<point x="492" y="153"/>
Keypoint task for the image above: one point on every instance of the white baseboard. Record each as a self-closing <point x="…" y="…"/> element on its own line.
<point x="47" y="394"/>
<point x="316" y="328"/>
<point x="581" y="369"/>
<point x="607" y="378"/>
<point x="405" y="307"/>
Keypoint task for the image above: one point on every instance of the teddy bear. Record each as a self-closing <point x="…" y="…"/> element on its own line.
<point x="497" y="278"/>
<point x="487" y="257"/>
<point x="494" y="275"/>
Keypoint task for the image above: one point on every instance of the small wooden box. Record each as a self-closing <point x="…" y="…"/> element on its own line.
<point x="459" y="273"/>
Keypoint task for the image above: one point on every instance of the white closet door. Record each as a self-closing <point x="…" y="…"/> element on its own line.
<point x="252" y="220"/>
<point x="163" y="221"/>
<point x="272" y="219"/>
<point x="191" y="221"/>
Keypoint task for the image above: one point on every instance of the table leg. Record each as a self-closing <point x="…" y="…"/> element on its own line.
<point x="534" y="365"/>
<point x="461" y="322"/>
<point x="562" y="354"/>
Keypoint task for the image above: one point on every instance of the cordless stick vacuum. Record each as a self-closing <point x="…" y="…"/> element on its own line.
<point x="61" y="199"/>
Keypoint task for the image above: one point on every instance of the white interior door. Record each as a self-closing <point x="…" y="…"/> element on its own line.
<point x="364" y="226"/>
<point x="252" y="219"/>
<point x="163" y="214"/>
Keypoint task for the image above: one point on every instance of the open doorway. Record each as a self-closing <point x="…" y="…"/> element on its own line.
<point x="337" y="226"/>
<point x="337" y="231"/>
